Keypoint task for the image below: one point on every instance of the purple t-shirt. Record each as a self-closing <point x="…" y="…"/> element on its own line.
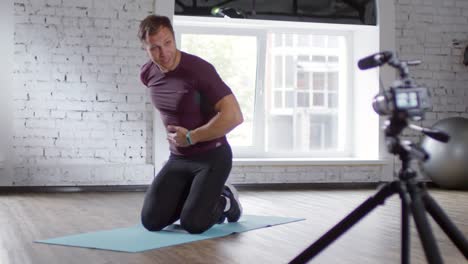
<point x="186" y="97"/>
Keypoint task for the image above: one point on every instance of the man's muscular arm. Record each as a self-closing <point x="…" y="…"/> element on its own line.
<point x="227" y="118"/>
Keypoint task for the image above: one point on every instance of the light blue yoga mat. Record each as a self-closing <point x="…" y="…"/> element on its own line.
<point x="137" y="238"/>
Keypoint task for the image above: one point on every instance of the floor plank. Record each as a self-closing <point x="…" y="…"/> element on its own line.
<point x="376" y="239"/>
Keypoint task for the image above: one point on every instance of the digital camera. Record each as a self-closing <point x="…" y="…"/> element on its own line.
<point x="404" y="101"/>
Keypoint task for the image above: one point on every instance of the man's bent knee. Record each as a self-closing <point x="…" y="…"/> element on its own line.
<point x="193" y="228"/>
<point x="150" y="224"/>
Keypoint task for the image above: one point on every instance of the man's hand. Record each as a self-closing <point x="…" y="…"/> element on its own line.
<point x="176" y="135"/>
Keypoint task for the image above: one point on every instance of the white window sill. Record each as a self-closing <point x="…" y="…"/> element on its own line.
<point x="305" y="161"/>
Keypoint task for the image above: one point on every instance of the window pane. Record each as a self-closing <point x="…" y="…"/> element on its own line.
<point x="303" y="58"/>
<point x="278" y="71"/>
<point x="239" y="74"/>
<point x="289" y="99"/>
<point x="319" y="81"/>
<point x="323" y="132"/>
<point x="333" y="59"/>
<point x="289" y="40"/>
<point x="303" y="99"/>
<point x="280" y="134"/>
<point x="278" y="99"/>
<point x="333" y="42"/>
<point x="289" y="70"/>
<point x="316" y="135"/>
<point x="278" y="40"/>
<point x="332" y="100"/>
<point x="306" y="83"/>
<point x="319" y="99"/>
<point x="302" y="81"/>
<point x="333" y="81"/>
<point x="303" y="40"/>
<point x="319" y="41"/>
<point x="318" y="58"/>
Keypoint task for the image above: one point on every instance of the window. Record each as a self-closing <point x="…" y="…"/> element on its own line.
<point x="305" y="90"/>
<point x="239" y="74"/>
<point x="293" y="84"/>
<point x="6" y="78"/>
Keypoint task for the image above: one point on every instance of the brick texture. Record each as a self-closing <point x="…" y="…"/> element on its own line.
<point x="435" y="32"/>
<point x="428" y="31"/>
<point x="77" y="97"/>
<point x="81" y="115"/>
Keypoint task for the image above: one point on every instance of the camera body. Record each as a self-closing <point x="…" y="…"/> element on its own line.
<point x="403" y="100"/>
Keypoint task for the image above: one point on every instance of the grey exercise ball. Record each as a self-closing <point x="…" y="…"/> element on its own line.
<point x="448" y="162"/>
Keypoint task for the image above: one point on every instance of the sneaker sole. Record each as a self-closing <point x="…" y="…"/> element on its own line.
<point x="236" y="195"/>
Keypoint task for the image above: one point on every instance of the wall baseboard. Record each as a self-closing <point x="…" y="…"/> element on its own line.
<point x="72" y="189"/>
<point x="79" y="175"/>
<point x="241" y="187"/>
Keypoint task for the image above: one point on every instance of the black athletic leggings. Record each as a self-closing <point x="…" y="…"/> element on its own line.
<point x="189" y="189"/>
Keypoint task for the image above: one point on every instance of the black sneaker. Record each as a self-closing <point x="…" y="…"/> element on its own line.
<point x="222" y="219"/>
<point x="234" y="213"/>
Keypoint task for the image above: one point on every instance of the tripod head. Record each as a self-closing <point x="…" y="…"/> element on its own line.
<point x="402" y="102"/>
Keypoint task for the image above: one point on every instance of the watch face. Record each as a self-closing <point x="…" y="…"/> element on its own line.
<point x="188" y="138"/>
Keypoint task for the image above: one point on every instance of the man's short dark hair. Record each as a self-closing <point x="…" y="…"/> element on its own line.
<point x="152" y="24"/>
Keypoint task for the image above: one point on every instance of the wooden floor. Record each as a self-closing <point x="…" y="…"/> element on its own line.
<point x="376" y="239"/>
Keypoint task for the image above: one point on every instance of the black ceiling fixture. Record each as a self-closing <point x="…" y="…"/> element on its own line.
<point x="227" y="12"/>
<point x="327" y="11"/>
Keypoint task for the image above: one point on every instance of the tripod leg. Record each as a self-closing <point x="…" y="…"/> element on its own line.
<point x="343" y="226"/>
<point x="445" y="223"/>
<point x="424" y="229"/>
<point x="405" y="227"/>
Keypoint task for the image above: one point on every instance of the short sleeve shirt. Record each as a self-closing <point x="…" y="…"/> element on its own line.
<point x="186" y="97"/>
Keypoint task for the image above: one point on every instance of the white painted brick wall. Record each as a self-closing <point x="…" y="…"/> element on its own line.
<point x="77" y="97"/>
<point x="425" y="31"/>
<point x="306" y="173"/>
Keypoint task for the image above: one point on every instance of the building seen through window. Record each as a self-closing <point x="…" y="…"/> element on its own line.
<point x="291" y="86"/>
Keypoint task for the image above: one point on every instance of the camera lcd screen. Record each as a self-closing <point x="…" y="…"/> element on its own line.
<point x="406" y="100"/>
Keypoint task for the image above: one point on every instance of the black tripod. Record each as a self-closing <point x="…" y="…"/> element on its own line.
<point x="415" y="200"/>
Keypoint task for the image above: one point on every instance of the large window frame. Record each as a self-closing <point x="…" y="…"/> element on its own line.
<point x="368" y="142"/>
<point x="261" y="29"/>
<point x="205" y="29"/>
<point x="343" y="130"/>
<point x="6" y="78"/>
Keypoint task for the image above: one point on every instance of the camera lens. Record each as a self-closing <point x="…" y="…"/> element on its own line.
<point x="382" y="105"/>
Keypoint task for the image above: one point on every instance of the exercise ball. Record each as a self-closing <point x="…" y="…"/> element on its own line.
<point x="447" y="165"/>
